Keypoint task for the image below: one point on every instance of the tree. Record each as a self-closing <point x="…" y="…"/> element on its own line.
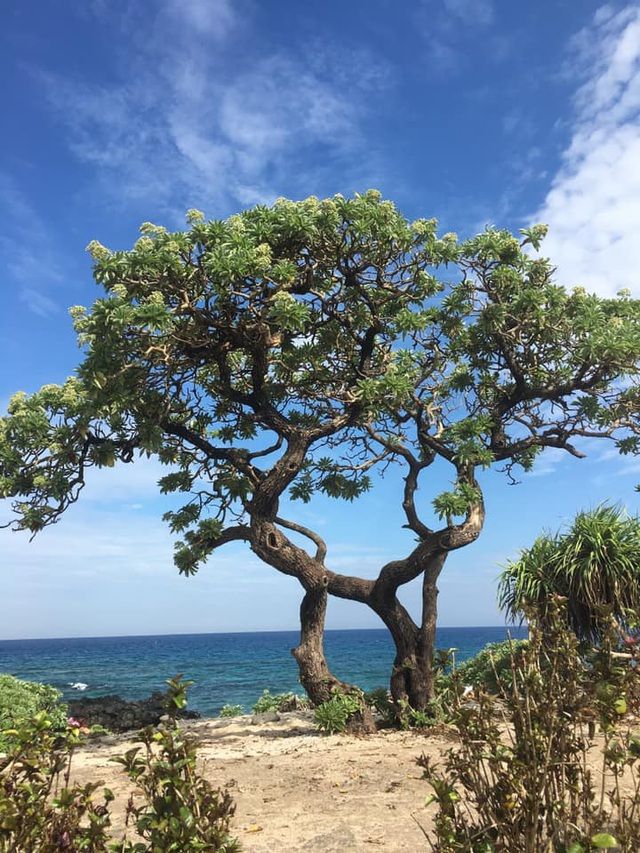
<point x="292" y="350"/>
<point x="595" y="565"/>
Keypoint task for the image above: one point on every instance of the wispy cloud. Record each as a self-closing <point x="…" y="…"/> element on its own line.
<point x="593" y="207"/>
<point x="471" y="12"/>
<point x="447" y="24"/>
<point x="27" y="248"/>
<point x="189" y="124"/>
<point x="38" y="302"/>
<point x="548" y="462"/>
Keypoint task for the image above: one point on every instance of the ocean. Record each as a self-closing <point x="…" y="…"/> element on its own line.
<point x="226" y="668"/>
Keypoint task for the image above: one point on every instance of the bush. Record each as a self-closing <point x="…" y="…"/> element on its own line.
<point x="180" y="811"/>
<point x="520" y="781"/>
<point x="96" y="730"/>
<point x="380" y="701"/>
<point x="333" y="715"/>
<point x="231" y="711"/>
<point x="489" y="668"/>
<point x="40" y="812"/>
<point x="31" y="819"/>
<point x="22" y="700"/>
<point x="279" y="702"/>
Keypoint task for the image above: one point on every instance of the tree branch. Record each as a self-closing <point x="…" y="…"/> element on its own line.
<point x="321" y="551"/>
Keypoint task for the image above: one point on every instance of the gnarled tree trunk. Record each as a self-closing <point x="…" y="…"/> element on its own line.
<point x="315" y="676"/>
<point x="412" y="678"/>
<point x="271" y="545"/>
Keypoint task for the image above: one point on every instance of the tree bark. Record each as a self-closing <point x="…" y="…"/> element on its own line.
<point x="424" y="681"/>
<point x="272" y="546"/>
<point x="412" y="678"/>
<point x="315" y="675"/>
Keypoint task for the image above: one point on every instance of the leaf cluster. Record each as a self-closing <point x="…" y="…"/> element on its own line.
<point x="21" y="700"/>
<point x="335" y="326"/>
<point x="333" y="716"/>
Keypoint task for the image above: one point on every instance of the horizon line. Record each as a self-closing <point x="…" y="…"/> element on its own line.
<point x="225" y="633"/>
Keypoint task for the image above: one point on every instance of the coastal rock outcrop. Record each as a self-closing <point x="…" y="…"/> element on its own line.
<point x="119" y="715"/>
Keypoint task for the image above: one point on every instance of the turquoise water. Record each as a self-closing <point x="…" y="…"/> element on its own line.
<point x="232" y="668"/>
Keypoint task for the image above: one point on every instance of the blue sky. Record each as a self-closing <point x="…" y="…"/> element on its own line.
<point x="473" y="111"/>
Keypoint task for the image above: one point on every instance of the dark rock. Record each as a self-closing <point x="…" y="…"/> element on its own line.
<point x="118" y="715"/>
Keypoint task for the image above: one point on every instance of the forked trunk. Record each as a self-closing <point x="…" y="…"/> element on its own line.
<point x="413" y="677"/>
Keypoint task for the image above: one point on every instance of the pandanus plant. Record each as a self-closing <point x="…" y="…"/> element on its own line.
<point x="594" y="564"/>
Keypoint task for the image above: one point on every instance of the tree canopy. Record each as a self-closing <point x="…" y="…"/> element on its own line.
<point x="291" y="350"/>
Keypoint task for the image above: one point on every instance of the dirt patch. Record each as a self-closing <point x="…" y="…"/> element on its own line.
<point x="296" y="790"/>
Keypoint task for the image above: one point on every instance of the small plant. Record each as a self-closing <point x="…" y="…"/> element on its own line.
<point x="412" y="718"/>
<point x="21" y="700"/>
<point x="333" y="716"/>
<point x="96" y="730"/>
<point x="269" y="702"/>
<point x="181" y="810"/>
<point x="40" y="810"/>
<point x="523" y="779"/>
<point x="380" y="700"/>
<point x="231" y="711"/>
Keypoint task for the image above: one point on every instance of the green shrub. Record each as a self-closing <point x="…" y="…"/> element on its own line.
<point x="21" y="700"/>
<point x="180" y="810"/>
<point x="333" y="715"/>
<point x="31" y="819"/>
<point x="231" y="711"/>
<point x="177" y="810"/>
<point x="279" y="702"/>
<point x="520" y="781"/>
<point x="380" y="700"/>
<point x="96" y="730"/>
<point x="488" y="669"/>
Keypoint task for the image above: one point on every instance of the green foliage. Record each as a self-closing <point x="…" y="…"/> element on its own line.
<point x="21" y="700"/>
<point x="594" y="564"/>
<point x="333" y="716"/>
<point x="294" y="350"/>
<point x="381" y="702"/>
<point x="40" y="810"/>
<point x="96" y="730"/>
<point x="520" y="780"/>
<point x="489" y="669"/>
<point x="180" y="810"/>
<point x="332" y="317"/>
<point x="231" y="711"/>
<point x="176" y="809"/>
<point x="279" y="702"/>
<point x="415" y="718"/>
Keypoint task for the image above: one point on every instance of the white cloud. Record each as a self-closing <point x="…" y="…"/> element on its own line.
<point x="133" y="481"/>
<point x="449" y="25"/>
<point x="593" y="206"/>
<point x="191" y="125"/>
<point x="548" y="462"/>
<point x="210" y="17"/>
<point x="38" y="302"/>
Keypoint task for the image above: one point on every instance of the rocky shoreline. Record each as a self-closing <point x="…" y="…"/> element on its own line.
<point x="119" y="715"/>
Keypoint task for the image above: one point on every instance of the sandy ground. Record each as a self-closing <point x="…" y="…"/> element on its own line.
<point x="296" y="790"/>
